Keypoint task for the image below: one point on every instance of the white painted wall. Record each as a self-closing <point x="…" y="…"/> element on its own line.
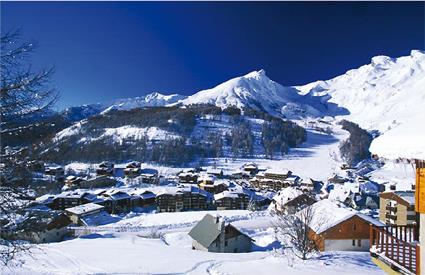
<point x="346" y="245"/>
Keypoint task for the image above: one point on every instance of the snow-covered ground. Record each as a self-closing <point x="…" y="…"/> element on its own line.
<point x="141" y="253"/>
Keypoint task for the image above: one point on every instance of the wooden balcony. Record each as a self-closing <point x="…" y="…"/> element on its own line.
<point x="397" y="246"/>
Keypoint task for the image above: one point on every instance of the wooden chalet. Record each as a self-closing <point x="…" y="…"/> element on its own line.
<point x="132" y="169"/>
<point x="188" y="176"/>
<point x="335" y="228"/>
<point x="105" y="168"/>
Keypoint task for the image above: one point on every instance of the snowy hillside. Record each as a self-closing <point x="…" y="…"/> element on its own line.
<point x="255" y="90"/>
<point x="381" y="95"/>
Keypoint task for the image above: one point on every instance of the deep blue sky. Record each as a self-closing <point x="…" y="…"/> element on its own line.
<point x="107" y="50"/>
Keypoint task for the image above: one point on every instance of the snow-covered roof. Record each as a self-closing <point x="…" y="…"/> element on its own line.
<point x="226" y="194"/>
<point x="85" y="208"/>
<point x="339" y="193"/>
<point x="327" y="214"/>
<point x="116" y="194"/>
<point x="287" y="195"/>
<point x="275" y="171"/>
<point x="205" y="177"/>
<point x="404" y="141"/>
<point x="76" y="194"/>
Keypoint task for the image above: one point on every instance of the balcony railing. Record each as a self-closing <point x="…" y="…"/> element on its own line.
<point x="390" y="216"/>
<point x="391" y="208"/>
<point x="397" y="245"/>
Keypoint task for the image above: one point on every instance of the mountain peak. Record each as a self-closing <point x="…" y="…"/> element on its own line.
<point x="256" y="74"/>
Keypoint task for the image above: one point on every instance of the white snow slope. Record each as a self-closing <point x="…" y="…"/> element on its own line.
<point x="141" y="253"/>
<point x="255" y="90"/>
<point x="381" y="95"/>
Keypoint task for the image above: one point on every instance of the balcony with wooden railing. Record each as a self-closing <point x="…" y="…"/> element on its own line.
<point x="397" y="245"/>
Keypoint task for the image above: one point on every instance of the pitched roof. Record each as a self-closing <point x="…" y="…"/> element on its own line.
<point x="287" y="195"/>
<point x="402" y="197"/>
<point x="328" y="214"/>
<point x="206" y="230"/>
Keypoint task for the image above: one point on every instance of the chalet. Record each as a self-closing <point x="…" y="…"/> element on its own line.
<point x="116" y="201"/>
<point x="132" y="169"/>
<point x="335" y="228"/>
<point x="251" y="168"/>
<point x="290" y="200"/>
<point x="142" y="198"/>
<point x="149" y="176"/>
<point x="188" y="176"/>
<point x="397" y="208"/>
<point x="105" y="168"/>
<point x="274" y="180"/>
<point x="73" y="181"/>
<point x="97" y="182"/>
<point x="240" y="175"/>
<point x="55" y="171"/>
<point x="210" y="184"/>
<point x="41" y="227"/>
<point x="212" y="234"/>
<point x="215" y="188"/>
<point x="78" y="213"/>
<point x="233" y="199"/>
<point x="182" y="198"/>
<point x="69" y="199"/>
<point x="205" y="178"/>
<point x="218" y="173"/>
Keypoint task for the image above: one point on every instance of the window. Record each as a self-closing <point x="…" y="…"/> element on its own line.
<point x="354" y="227"/>
<point x="354" y="242"/>
<point x="225" y="243"/>
<point x="216" y="244"/>
<point x="359" y="243"/>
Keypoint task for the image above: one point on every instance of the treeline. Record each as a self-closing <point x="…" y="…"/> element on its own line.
<point x="276" y="136"/>
<point x="356" y="147"/>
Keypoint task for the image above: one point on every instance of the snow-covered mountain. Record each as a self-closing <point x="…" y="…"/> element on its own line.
<point x="150" y="100"/>
<point x="381" y="95"/>
<point x="256" y="91"/>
